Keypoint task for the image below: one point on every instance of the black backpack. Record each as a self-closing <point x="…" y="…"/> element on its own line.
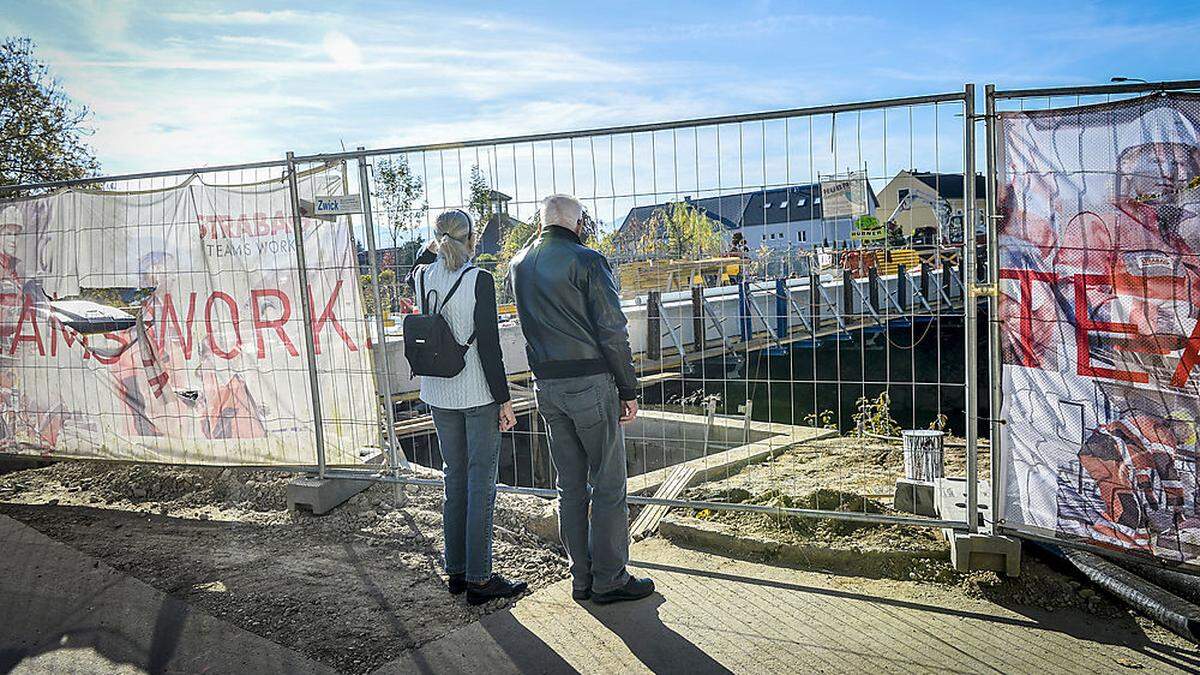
<point x="429" y="344"/>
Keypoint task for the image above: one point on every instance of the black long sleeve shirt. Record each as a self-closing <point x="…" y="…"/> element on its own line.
<point x="487" y="336"/>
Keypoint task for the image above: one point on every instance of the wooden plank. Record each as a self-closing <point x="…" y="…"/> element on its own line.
<point x="647" y="521"/>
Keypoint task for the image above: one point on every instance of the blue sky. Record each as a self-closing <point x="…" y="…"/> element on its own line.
<point x="192" y="83"/>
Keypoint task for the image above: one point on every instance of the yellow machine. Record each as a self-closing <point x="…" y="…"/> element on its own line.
<point x="675" y="275"/>
<point x="886" y="261"/>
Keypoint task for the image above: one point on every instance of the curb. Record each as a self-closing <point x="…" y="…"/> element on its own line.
<point x="720" y="539"/>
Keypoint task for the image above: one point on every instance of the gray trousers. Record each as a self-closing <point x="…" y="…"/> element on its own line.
<point x="588" y="447"/>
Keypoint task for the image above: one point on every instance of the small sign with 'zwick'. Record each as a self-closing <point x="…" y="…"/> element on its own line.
<point x="336" y="205"/>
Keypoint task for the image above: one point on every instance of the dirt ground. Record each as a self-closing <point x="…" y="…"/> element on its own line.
<point x="352" y="589"/>
<point x="859" y="475"/>
<point x="356" y="588"/>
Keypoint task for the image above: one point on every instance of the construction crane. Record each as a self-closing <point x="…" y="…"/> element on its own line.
<point x="949" y="224"/>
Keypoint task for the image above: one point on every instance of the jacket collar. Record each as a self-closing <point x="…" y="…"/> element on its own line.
<point x="560" y="231"/>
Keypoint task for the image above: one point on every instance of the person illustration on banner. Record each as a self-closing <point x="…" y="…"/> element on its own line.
<point x="11" y="301"/>
<point x="226" y="406"/>
<point x="1142" y="257"/>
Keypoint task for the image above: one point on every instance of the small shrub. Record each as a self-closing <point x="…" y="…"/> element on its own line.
<point x="873" y="417"/>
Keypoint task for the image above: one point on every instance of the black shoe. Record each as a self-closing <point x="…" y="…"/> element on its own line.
<point x="495" y="587"/>
<point x="634" y="589"/>
<point x="581" y="594"/>
<point x="457" y="584"/>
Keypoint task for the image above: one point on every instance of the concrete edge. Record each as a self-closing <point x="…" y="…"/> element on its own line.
<point x="718" y="538"/>
<point x="724" y="461"/>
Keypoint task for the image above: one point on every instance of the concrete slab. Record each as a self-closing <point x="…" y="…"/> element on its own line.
<point x="916" y="496"/>
<point x="983" y="550"/>
<point x="64" y="612"/>
<point x="951" y="500"/>
<point x="717" y="615"/>
<point x="322" y="495"/>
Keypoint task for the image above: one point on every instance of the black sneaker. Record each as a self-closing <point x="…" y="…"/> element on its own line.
<point x="581" y="594"/>
<point x="495" y="587"/>
<point x="457" y="583"/>
<point x="634" y="589"/>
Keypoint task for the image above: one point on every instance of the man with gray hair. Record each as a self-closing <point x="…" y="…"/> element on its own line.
<point x="578" y="349"/>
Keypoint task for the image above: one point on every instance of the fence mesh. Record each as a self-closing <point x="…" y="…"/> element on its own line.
<point x="1097" y="315"/>
<point x="786" y="278"/>
<point x="793" y="281"/>
<point x="160" y="320"/>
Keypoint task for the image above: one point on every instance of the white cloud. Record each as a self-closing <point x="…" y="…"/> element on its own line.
<point x="342" y="50"/>
<point x="244" y="17"/>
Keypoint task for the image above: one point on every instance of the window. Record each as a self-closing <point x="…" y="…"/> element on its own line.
<point x="801" y="236"/>
<point x="816" y="200"/>
<point x="767" y="205"/>
<point x="783" y="204"/>
<point x="801" y="201"/>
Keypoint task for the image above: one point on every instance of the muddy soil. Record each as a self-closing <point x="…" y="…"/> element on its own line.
<point x="352" y="589"/>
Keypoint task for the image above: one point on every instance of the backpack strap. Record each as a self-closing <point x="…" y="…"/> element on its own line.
<point x="443" y="301"/>
<point x="424" y="292"/>
<point x="454" y="288"/>
<point x="451" y="293"/>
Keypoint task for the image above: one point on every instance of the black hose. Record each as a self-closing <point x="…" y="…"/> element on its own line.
<point x="1186" y="586"/>
<point x="1171" y="611"/>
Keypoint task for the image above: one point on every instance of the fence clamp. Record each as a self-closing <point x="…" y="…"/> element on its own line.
<point x="983" y="290"/>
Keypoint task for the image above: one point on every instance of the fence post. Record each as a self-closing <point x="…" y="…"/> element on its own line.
<point x="814" y="303"/>
<point x="925" y="280"/>
<point x="744" y="301"/>
<point x="993" y="270"/>
<point x="782" y="321"/>
<point x="873" y="287"/>
<point x="970" y="307"/>
<point x="847" y="294"/>
<point x="653" y="326"/>
<point x="699" y="338"/>
<point x="306" y="313"/>
<point x="381" y="357"/>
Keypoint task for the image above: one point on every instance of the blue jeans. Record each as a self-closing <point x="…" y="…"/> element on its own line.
<point x="469" y="440"/>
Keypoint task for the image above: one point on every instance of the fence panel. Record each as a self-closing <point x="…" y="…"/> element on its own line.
<point x="1096" y="217"/>
<point x="776" y="305"/>
<point x="155" y="318"/>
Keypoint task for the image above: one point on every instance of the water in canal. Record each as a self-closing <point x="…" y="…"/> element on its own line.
<point x="920" y="366"/>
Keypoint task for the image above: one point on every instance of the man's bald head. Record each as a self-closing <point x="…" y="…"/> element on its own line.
<point x="563" y="211"/>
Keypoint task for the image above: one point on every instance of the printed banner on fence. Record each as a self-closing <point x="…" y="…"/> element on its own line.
<point x="844" y="195"/>
<point x="1099" y="308"/>
<point x="215" y="371"/>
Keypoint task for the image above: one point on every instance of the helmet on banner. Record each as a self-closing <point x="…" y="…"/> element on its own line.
<point x="1158" y="175"/>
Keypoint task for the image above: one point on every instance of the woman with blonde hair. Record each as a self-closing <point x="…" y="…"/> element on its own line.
<point x="470" y="409"/>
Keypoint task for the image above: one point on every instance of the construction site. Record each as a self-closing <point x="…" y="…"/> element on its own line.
<point x="894" y="414"/>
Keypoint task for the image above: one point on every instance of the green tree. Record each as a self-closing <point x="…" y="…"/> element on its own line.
<point x="480" y="204"/>
<point x="387" y="286"/>
<point x="402" y="195"/>
<point x="681" y="231"/>
<point x="42" y="130"/>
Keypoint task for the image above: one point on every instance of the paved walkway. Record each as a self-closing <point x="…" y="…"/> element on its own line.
<point x="62" y="611"/>
<point x="715" y="614"/>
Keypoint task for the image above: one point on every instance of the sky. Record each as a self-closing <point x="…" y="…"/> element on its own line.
<point x="200" y="83"/>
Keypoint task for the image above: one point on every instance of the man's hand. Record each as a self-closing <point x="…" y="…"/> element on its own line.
<point x="628" y="411"/>
<point x="508" y="420"/>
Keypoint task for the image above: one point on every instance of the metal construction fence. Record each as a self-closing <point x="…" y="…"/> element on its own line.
<point x="800" y="287"/>
<point x="1094" y="256"/>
